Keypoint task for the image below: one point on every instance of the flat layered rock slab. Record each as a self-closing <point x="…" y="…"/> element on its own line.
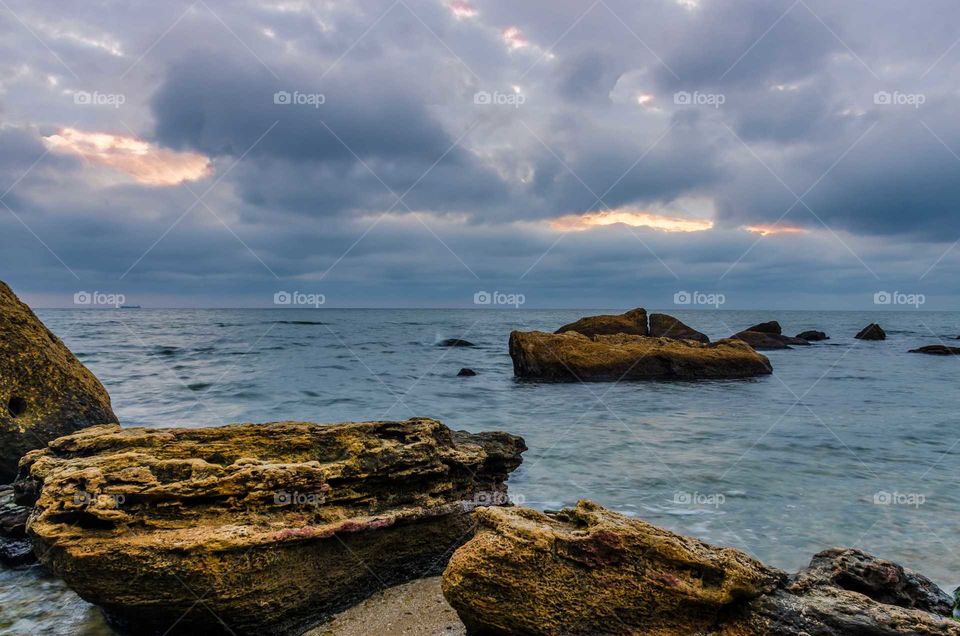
<point x="571" y="357"/>
<point x="275" y="526"/>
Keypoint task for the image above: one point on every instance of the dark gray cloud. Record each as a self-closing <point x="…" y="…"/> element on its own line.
<point x="706" y="109"/>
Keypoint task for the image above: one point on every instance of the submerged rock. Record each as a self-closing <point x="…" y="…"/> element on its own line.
<point x="466" y="373"/>
<point x="569" y="357"/>
<point x="15" y="548"/>
<point x="275" y="526"/>
<point x="45" y="392"/>
<point x="586" y="570"/>
<point x="455" y="342"/>
<point x="664" y="326"/>
<point x="937" y="350"/>
<point x="633" y="322"/>
<point x="871" y="332"/>
<point x="813" y="336"/>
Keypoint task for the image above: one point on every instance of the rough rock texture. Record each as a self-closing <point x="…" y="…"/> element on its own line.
<point x="813" y="336"/>
<point x="871" y="332"/>
<point x="664" y="326"/>
<point x="590" y="571"/>
<point x="937" y="350"/>
<point x="569" y="357"/>
<point x="275" y="526"/>
<point x="45" y="392"/>
<point x="586" y="570"/>
<point x="15" y="548"/>
<point x="634" y="322"/>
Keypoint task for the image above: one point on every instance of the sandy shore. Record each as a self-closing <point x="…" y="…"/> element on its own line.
<point x="417" y="607"/>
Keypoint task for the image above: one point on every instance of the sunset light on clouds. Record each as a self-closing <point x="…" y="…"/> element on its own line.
<point x="144" y="162"/>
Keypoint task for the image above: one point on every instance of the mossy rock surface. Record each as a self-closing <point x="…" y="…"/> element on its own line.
<point x="45" y="392"/>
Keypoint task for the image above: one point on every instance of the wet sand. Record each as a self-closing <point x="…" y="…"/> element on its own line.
<point x="417" y="607"/>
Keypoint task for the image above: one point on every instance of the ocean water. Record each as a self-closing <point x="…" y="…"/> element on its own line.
<point x="848" y="443"/>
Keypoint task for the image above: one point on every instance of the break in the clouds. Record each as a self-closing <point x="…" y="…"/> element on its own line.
<point x="788" y="153"/>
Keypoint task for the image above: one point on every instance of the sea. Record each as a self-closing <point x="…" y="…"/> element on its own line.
<point x="848" y="443"/>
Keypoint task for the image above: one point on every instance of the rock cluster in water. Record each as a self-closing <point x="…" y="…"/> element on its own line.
<point x="873" y="331"/>
<point x="571" y="357"/>
<point x="45" y="392"/>
<point x="768" y="336"/>
<point x="275" y="526"/>
<point x="586" y="570"/>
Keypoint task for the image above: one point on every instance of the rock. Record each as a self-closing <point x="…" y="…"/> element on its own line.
<point x="768" y="336"/>
<point x="455" y="342"/>
<point x="45" y="392"/>
<point x="761" y="341"/>
<point x="937" y="350"/>
<point x="772" y="327"/>
<point x="664" y="326"/>
<point x="813" y="336"/>
<point x="871" y="332"/>
<point x="634" y="322"/>
<point x="15" y="548"/>
<point x="587" y="570"/>
<point x="274" y="526"/>
<point x="569" y="357"/>
<point x="465" y="372"/>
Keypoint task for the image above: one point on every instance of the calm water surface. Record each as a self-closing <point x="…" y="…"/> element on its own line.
<point x="781" y="467"/>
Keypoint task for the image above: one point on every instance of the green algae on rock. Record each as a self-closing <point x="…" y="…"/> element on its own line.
<point x="45" y="392"/>
<point x="276" y="526"/>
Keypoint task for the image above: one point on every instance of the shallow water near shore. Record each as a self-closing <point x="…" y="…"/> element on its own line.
<point x="848" y="443"/>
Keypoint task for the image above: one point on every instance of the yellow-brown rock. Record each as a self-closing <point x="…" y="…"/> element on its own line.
<point x="633" y="322"/>
<point x="45" y="392"/>
<point x="569" y="357"/>
<point x="274" y="526"/>
<point x="587" y="570"/>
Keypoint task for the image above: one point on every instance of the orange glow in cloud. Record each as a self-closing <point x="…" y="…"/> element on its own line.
<point x="767" y="230"/>
<point x="146" y="163"/>
<point x="461" y="9"/>
<point x="514" y="38"/>
<point x="635" y="218"/>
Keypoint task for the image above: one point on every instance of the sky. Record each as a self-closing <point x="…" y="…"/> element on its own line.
<point x="797" y="154"/>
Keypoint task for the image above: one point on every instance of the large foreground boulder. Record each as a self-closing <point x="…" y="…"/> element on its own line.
<point x="45" y="392"/>
<point x="665" y="326"/>
<point x="873" y="331"/>
<point x="587" y="570"/>
<point x="274" y="526"/>
<point x="569" y="357"/>
<point x="634" y="322"/>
